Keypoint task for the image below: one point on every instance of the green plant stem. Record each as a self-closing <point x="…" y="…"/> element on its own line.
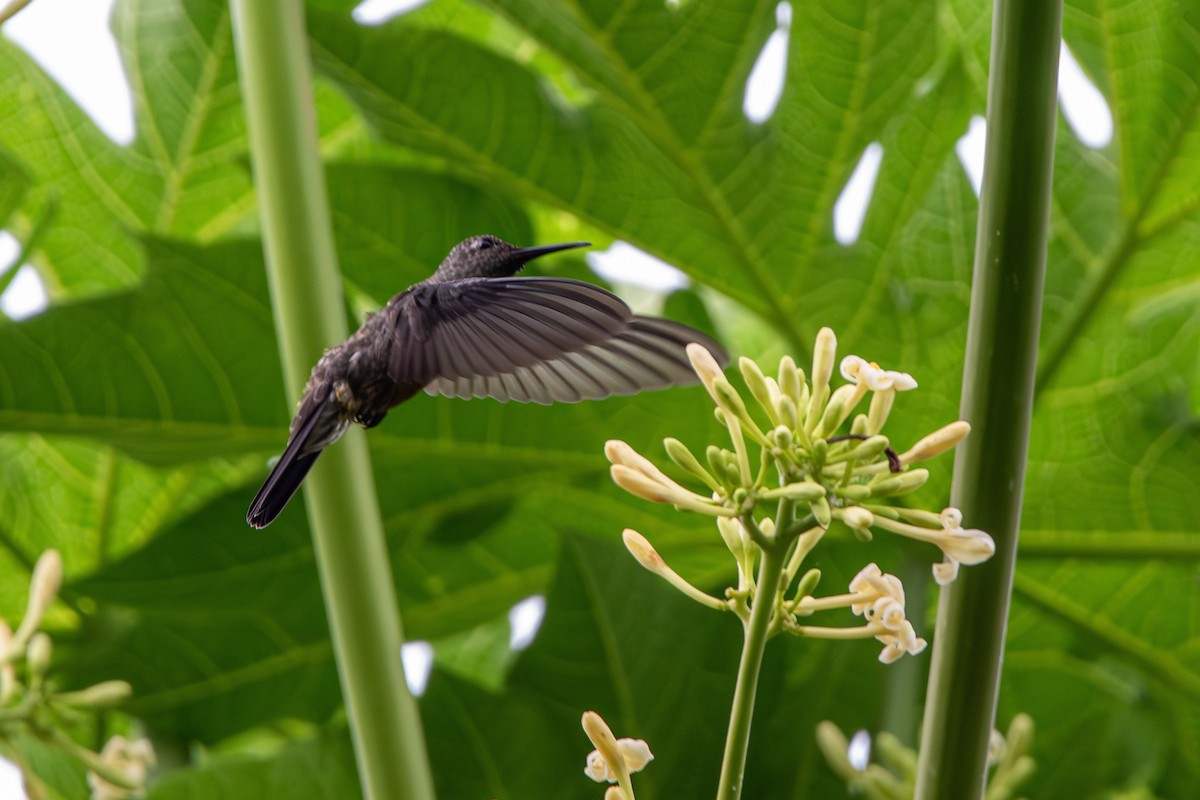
<point x="737" y="739"/>
<point x="997" y="399"/>
<point x="11" y="9"/>
<point x="340" y="493"/>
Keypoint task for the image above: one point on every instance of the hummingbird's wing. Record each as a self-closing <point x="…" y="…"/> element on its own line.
<point x="648" y="354"/>
<point x="493" y="326"/>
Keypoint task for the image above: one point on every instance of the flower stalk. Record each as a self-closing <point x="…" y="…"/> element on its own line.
<point x="306" y="294"/>
<point x="998" y="391"/>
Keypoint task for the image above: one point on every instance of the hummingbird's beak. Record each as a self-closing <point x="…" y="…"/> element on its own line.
<point x="524" y="255"/>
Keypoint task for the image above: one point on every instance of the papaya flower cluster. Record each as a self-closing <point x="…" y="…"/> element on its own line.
<point x="803" y="455"/>
<point x="31" y="705"/>
<point x="614" y="760"/>
<point x="893" y="773"/>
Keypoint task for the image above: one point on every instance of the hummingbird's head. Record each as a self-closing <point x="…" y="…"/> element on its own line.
<point x="491" y="257"/>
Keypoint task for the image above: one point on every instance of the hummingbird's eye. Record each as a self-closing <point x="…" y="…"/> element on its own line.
<point x="484" y="244"/>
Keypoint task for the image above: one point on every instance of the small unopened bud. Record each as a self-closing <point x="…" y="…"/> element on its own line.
<point x="881" y="406"/>
<point x="853" y="491"/>
<point x="835" y="747"/>
<point x="805" y="491"/>
<point x="808" y="583"/>
<point x="614" y="793"/>
<point x="683" y="458"/>
<point x="862" y="534"/>
<point x="822" y="512"/>
<point x="937" y="442"/>
<point x="899" y="483"/>
<point x="43" y="588"/>
<point x="819" y="452"/>
<point x="102" y="695"/>
<point x="731" y="402"/>
<point x="788" y="416"/>
<point x="37" y="654"/>
<point x="858" y="518"/>
<point x="706" y="367"/>
<point x="618" y="452"/>
<point x="869" y="448"/>
<point x="1021" y="770"/>
<point x="1020" y="734"/>
<point x="638" y="484"/>
<point x="783" y="437"/>
<point x="756" y="382"/>
<point x="641" y="549"/>
<point x="733" y="535"/>
<point x="839" y="407"/>
<point x="824" y="353"/>
<point x="716" y="463"/>
<point x="8" y="682"/>
<point x="893" y="752"/>
<point x="600" y="734"/>
<point x="790" y="379"/>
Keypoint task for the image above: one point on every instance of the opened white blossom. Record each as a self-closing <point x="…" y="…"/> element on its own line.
<point x="871" y="584"/>
<point x="130" y="760"/>
<point x="959" y="545"/>
<point x="859" y="371"/>
<point x="614" y="759"/>
<point x="635" y="753"/>
<point x="900" y="641"/>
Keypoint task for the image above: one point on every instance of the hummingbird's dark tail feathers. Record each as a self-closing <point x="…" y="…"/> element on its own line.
<point x="297" y="459"/>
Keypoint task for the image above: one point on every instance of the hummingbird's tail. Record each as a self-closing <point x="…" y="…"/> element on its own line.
<point x="303" y="447"/>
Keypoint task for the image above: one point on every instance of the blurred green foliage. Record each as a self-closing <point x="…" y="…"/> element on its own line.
<point x="139" y="410"/>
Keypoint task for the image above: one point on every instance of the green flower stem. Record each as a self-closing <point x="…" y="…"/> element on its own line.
<point x="997" y="398"/>
<point x="737" y="739"/>
<point x="340" y="493"/>
<point x="759" y="628"/>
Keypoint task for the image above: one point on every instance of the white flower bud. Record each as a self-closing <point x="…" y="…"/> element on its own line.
<point x="705" y="366"/>
<point x="858" y="517"/>
<point x="641" y="549"/>
<point x="896" y="483"/>
<point x="37" y="654"/>
<point x="756" y="382"/>
<point x="100" y="695"/>
<point x="824" y="352"/>
<point x="806" y="491"/>
<point x="790" y="380"/>
<point x="43" y="588"/>
<point x="937" y="442"/>
<point x="968" y="546"/>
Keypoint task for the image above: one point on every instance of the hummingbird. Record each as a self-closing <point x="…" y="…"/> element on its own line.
<point x="472" y="329"/>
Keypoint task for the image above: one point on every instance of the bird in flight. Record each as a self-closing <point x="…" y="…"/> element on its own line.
<point x="472" y="329"/>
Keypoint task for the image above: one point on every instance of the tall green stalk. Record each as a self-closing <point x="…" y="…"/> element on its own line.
<point x="340" y="493"/>
<point x="737" y="737"/>
<point x="997" y="399"/>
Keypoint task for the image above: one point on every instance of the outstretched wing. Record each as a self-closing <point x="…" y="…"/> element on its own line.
<point x="495" y="326"/>
<point x="648" y="354"/>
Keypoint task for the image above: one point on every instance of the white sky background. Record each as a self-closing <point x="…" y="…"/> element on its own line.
<point x="71" y="40"/>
